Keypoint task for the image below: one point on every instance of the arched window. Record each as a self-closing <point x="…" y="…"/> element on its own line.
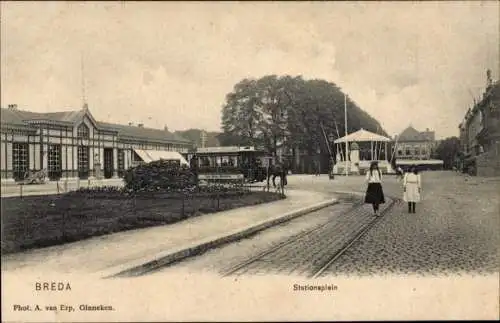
<point x="83" y="131"/>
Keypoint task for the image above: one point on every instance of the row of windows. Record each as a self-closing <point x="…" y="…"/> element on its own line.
<point x="21" y="159"/>
<point x="410" y="151"/>
<point x="213" y="161"/>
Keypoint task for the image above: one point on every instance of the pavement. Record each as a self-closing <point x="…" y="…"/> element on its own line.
<point x="454" y="231"/>
<point x="137" y="250"/>
<point x="55" y="187"/>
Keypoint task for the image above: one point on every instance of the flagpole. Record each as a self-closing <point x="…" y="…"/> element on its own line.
<point x="346" y="142"/>
<point x="338" y="137"/>
<point x="82" y="67"/>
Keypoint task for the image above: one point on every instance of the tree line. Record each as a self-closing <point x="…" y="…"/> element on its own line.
<point x="292" y="112"/>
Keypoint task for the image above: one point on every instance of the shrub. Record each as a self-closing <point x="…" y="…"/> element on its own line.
<point x="159" y="176"/>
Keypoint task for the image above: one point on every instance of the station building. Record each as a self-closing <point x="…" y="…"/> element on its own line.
<point x="73" y="145"/>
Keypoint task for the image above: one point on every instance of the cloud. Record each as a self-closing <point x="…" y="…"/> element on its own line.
<point x="175" y="61"/>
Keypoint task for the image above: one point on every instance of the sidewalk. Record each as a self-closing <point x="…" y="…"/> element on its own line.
<point x="52" y="187"/>
<point x="111" y="254"/>
<point x="12" y="190"/>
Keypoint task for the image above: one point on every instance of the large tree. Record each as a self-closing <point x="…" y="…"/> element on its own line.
<point x="241" y="116"/>
<point x="448" y="150"/>
<point x="289" y="111"/>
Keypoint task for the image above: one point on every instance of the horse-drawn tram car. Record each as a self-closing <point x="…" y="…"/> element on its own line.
<point x="230" y="164"/>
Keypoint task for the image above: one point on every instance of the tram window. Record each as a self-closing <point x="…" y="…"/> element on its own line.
<point x="205" y="161"/>
<point x="233" y="161"/>
<point x="225" y="161"/>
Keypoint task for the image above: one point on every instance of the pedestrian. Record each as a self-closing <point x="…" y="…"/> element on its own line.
<point x="412" y="186"/>
<point x="374" y="192"/>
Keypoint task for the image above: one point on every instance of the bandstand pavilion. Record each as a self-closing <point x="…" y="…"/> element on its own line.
<point x="364" y="147"/>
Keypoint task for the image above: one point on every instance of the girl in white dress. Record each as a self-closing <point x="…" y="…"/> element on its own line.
<point x="412" y="186"/>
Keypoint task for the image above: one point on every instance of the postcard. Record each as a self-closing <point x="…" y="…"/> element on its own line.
<point x="249" y="161"/>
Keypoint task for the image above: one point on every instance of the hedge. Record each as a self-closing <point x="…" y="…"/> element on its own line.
<point x="159" y="175"/>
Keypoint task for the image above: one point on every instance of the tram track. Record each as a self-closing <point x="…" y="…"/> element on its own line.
<point x="357" y="236"/>
<point x="356" y="220"/>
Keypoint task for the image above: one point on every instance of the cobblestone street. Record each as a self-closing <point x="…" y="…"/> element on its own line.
<point x="455" y="230"/>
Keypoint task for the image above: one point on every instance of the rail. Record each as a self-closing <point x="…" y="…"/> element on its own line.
<point x="317" y="270"/>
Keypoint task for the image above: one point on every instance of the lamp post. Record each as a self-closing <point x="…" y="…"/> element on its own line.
<point x="331" y="139"/>
<point x="346" y="142"/>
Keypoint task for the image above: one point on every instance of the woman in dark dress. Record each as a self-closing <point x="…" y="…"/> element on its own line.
<point x="374" y="192"/>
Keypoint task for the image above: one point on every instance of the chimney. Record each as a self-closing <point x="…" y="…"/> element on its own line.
<point x="12" y="106"/>
<point x="130" y="124"/>
<point x="141" y="125"/>
<point x="165" y="127"/>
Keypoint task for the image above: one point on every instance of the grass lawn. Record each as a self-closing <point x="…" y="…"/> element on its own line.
<point x="41" y="221"/>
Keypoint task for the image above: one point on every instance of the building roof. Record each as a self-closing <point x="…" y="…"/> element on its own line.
<point x="492" y="93"/>
<point x="23" y="118"/>
<point x="362" y="135"/>
<point x="141" y="132"/>
<point x="494" y="90"/>
<point x="412" y="134"/>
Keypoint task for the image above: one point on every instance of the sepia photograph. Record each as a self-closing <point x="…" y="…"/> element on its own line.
<point x="250" y="161"/>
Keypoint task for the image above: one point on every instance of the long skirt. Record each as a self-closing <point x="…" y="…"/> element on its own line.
<point x="411" y="194"/>
<point x="374" y="194"/>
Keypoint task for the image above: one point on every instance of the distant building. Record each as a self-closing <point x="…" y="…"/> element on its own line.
<point x="72" y="144"/>
<point x="480" y="133"/>
<point x="415" y="148"/>
<point x="415" y="145"/>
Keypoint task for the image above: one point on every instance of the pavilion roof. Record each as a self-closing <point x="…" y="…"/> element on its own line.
<point x="362" y="135"/>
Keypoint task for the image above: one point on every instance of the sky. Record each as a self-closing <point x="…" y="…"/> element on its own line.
<point x="172" y="63"/>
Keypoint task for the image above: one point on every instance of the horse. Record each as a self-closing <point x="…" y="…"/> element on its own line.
<point x="275" y="171"/>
